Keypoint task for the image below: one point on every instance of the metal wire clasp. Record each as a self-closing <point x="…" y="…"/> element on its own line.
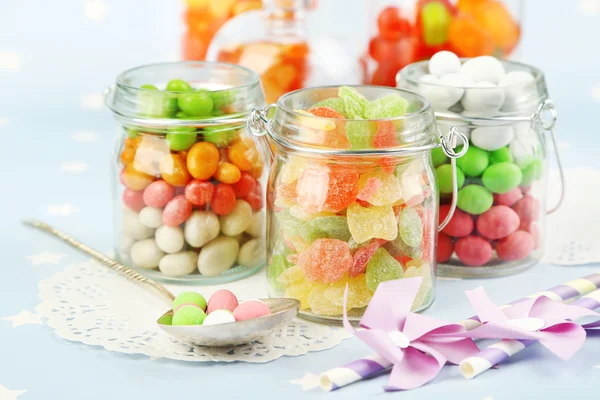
<point x="257" y="122"/>
<point x="449" y="143"/>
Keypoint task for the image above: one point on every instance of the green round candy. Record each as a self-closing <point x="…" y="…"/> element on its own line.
<point x="181" y="137"/>
<point x="196" y="104"/>
<point x="219" y="136"/>
<point x="181" y="115"/>
<point x="189" y="298"/>
<point x="132" y="133"/>
<point x="474" y="199"/>
<point x="438" y="156"/>
<point x="221" y="98"/>
<point x="443" y="174"/>
<point x="148" y="86"/>
<point x="501" y="155"/>
<point x="156" y="104"/>
<point x="532" y="171"/>
<point x="474" y="162"/>
<point x="179" y="85"/>
<point x="166" y="320"/>
<point x="189" y="315"/>
<point x="502" y="177"/>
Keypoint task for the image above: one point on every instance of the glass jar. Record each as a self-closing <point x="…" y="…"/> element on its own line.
<point x="405" y="31"/>
<point x="498" y="228"/>
<point x="188" y="179"/>
<point x="350" y="201"/>
<point x="277" y="43"/>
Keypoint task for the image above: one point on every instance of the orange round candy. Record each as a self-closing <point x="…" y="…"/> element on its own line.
<point x="136" y="180"/>
<point x="203" y="160"/>
<point x="495" y="19"/>
<point x="227" y="173"/>
<point x="173" y="170"/>
<point x="243" y="154"/>
<point x="469" y="39"/>
<point x="127" y="156"/>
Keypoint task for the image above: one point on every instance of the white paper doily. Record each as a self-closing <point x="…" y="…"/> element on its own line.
<point x="90" y="304"/>
<point x="573" y="231"/>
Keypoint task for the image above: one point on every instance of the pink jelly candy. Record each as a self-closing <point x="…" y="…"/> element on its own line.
<point x="133" y="199"/>
<point x="326" y="260"/>
<point x="528" y="208"/>
<point x="498" y="222"/>
<point x="362" y="256"/>
<point x="460" y="225"/>
<point x="445" y="248"/>
<point x="371" y="187"/>
<point x="515" y="246"/>
<point x="508" y="198"/>
<point x="473" y="250"/>
<point x="158" y="194"/>
<point x="222" y="300"/>
<point x="327" y="188"/>
<point x="177" y="211"/>
<point x="250" y="309"/>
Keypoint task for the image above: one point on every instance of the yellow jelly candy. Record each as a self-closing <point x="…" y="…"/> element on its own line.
<point x="371" y="222"/>
<point x="300" y="291"/>
<point x="419" y="268"/>
<point x="291" y="276"/>
<point x="292" y="169"/>
<point x="386" y="192"/>
<point x="359" y="295"/>
<point x="320" y="303"/>
<point x="321" y="124"/>
<point x="300" y="213"/>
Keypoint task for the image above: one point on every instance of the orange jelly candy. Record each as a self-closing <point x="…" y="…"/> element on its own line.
<point x="173" y="170"/>
<point x="203" y="160"/>
<point x="469" y="39"/>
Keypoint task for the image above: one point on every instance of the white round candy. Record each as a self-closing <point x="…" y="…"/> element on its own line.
<point x="218" y="255"/>
<point x="492" y="138"/>
<point x="146" y="254"/>
<point x="484" y="97"/>
<point x="445" y="92"/>
<point x="257" y="225"/>
<point x="252" y="253"/>
<point x="519" y="88"/>
<point x="125" y="244"/>
<point x="151" y="217"/>
<point x="238" y="220"/>
<point x="483" y="69"/>
<point x="179" y="264"/>
<point x="218" y="317"/>
<point x="131" y="225"/>
<point x="169" y="239"/>
<point x="201" y="228"/>
<point x="443" y="63"/>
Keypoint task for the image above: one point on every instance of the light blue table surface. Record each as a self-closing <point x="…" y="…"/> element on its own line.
<point x="52" y="56"/>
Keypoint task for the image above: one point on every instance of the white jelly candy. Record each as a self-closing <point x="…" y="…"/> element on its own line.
<point x="519" y="89"/>
<point x="151" y="217"/>
<point x="218" y="255"/>
<point x="484" y="97"/>
<point x="238" y="220"/>
<point x="146" y="254"/>
<point x="218" y="317"/>
<point x="201" y="227"/>
<point x="483" y="69"/>
<point x="444" y="63"/>
<point x="492" y="138"/>
<point x="169" y="239"/>
<point x="252" y="253"/>
<point x="257" y="225"/>
<point x="131" y="225"/>
<point x="179" y="264"/>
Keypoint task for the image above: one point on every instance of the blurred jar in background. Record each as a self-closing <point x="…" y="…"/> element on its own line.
<point x="406" y="31"/>
<point x="278" y="43"/>
<point x="203" y="18"/>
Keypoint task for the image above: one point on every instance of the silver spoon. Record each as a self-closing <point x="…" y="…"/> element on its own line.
<point x="233" y="333"/>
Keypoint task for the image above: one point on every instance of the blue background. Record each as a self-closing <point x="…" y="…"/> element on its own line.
<point x="65" y="56"/>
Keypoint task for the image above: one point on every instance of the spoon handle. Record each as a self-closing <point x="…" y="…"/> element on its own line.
<point x="110" y="263"/>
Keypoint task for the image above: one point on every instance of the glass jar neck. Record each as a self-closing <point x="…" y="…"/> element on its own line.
<point x="285" y="18"/>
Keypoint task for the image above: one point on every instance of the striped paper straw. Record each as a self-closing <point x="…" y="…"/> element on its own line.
<point x="504" y="349"/>
<point x="374" y="364"/>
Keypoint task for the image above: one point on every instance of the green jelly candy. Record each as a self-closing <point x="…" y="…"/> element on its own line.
<point x="438" y="156"/>
<point x="474" y="199"/>
<point x="410" y="227"/>
<point x="382" y="267"/>
<point x="189" y="298"/>
<point x="335" y="103"/>
<point x="196" y="104"/>
<point x="360" y="134"/>
<point x="219" y="136"/>
<point x="290" y="224"/>
<point x="178" y="85"/>
<point x="443" y="174"/>
<point x="189" y="315"/>
<point x="181" y="137"/>
<point x="354" y="102"/>
<point x="532" y="171"/>
<point x="156" y="104"/>
<point x="166" y="320"/>
<point x="389" y="106"/>
<point x="278" y="264"/>
<point x="502" y="177"/>
<point x="435" y="18"/>
<point x="474" y="162"/>
<point x="326" y="227"/>
<point x="501" y="155"/>
<point x="398" y="247"/>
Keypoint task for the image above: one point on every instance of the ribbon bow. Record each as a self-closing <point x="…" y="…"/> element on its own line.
<point x="540" y="319"/>
<point x="416" y="345"/>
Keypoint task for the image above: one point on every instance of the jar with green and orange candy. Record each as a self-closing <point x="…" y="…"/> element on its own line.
<point x="188" y="178"/>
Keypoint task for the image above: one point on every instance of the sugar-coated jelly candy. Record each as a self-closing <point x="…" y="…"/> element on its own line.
<point x="354" y="102"/>
<point x="369" y="188"/>
<point x="325" y="227"/>
<point x="289" y="223"/>
<point x="335" y="103"/>
<point x="528" y="208"/>
<point x="388" y="189"/>
<point x="291" y="276"/>
<point x="326" y="260"/>
<point x="515" y="246"/>
<point x="332" y="188"/>
<point x="360" y="133"/>
<point x="371" y="222"/>
<point x="445" y="178"/>
<point x="410" y="227"/>
<point x="329" y="299"/>
<point x="203" y="160"/>
<point x="474" y="162"/>
<point x="300" y="291"/>
<point x="177" y="211"/>
<point x="497" y="222"/>
<point x="158" y="194"/>
<point x="461" y="224"/>
<point x="474" y="199"/>
<point x="362" y="256"/>
<point x="415" y="269"/>
<point x="445" y="247"/>
<point x="389" y="106"/>
<point x="335" y="138"/>
<point x="473" y="250"/>
<point x="386" y="137"/>
<point x="509" y="198"/>
<point x="502" y="177"/>
<point x="382" y="267"/>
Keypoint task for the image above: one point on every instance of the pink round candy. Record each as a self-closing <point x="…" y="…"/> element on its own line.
<point x="534" y="230"/>
<point x="158" y="194"/>
<point x="498" y="222"/>
<point x="473" y="250"/>
<point x="515" y="246"/>
<point x="177" y="211"/>
<point x="222" y="300"/>
<point x="250" y="309"/>
<point x="525" y="189"/>
<point x="528" y="208"/>
<point x="460" y="225"/>
<point x="445" y="248"/>
<point x="508" y="198"/>
<point x="122" y="176"/>
<point x="133" y="199"/>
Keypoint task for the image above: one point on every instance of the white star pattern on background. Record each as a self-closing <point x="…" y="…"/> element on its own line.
<point x="308" y="382"/>
<point x="4" y="122"/>
<point x="73" y="167"/>
<point x="85" y="136"/>
<point x="24" y="318"/>
<point x="45" y="258"/>
<point x="7" y="394"/>
<point x="595" y="93"/>
<point x="10" y="61"/>
<point x="96" y="10"/>
<point x="92" y="101"/>
<point x="589" y="7"/>
<point x="63" y="210"/>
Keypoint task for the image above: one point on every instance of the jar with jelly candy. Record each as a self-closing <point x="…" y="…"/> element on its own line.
<point x="188" y="177"/>
<point x="351" y="196"/>
<point x="405" y="31"/>
<point x="276" y="43"/>
<point x="504" y="109"/>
